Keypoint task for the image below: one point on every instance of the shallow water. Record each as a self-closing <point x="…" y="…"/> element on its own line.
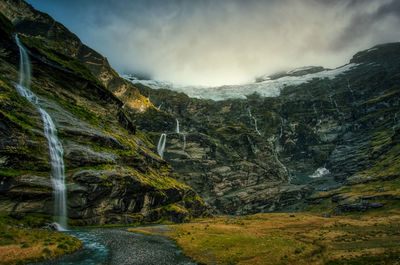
<point x="92" y="251"/>
<point x="118" y="246"/>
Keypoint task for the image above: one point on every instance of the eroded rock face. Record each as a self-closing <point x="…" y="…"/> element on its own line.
<point x="112" y="176"/>
<point x="340" y="126"/>
<point x="242" y="156"/>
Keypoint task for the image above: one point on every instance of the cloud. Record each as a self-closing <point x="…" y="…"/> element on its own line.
<point x="205" y="42"/>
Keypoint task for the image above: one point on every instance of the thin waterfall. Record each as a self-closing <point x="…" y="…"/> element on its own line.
<point x="255" y="122"/>
<point x="178" y="131"/>
<point x="177" y="126"/>
<point x="161" y="145"/>
<point x="349" y="87"/>
<point x="50" y="131"/>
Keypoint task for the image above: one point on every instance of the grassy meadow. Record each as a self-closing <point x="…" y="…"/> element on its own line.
<point x="21" y="245"/>
<point x="283" y="238"/>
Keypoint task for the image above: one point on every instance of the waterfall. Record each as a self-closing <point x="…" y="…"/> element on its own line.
<point x="50" y="131"/>
<point x="178" y="131"/>
<point x="177" y="126"/>
<point x="161" y="145"/>
<point x="255" y="122"/>
<point x="320" y="172"/>
<point x="349" y="87"/>
<point x="395" y="122"/>
<point x="184" y="142"/>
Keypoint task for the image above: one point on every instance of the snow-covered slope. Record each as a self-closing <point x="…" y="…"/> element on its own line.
<point x="266" y="88"/>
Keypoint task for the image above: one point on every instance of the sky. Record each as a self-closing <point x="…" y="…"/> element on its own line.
<point x="221" y="42"/>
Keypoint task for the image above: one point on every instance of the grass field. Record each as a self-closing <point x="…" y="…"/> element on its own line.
<point x="19" y="245"/>
<point x="283" y="238"/>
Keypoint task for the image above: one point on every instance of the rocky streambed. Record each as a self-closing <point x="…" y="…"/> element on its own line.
<point x="118" y="246"/>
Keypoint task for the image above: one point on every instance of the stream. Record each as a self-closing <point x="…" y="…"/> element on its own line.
<point x="118" y="246"/>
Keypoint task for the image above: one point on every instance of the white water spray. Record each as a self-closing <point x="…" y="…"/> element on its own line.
<point x="161" y="145"/>
<point x="349" y="87"/>
<point x="177" y="126"/>
<point x="320" y="172"/>
<point x="50" y="131"/>
<point x="255" y="122"/>
<point x="184" y="142"/>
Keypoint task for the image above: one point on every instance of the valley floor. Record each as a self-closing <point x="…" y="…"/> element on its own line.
<point x="20" y="245"/>
<point x="284" y="238"/>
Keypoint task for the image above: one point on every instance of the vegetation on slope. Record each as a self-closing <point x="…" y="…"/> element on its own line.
<point x="21" y="245"/>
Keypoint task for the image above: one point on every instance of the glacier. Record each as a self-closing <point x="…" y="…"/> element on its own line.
<point x="266" y="88"/>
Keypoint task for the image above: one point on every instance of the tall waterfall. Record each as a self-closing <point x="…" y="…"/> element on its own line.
<point x="177" y="126"/>
<point x="50" y="131"/>
<point x="161" y="145"/>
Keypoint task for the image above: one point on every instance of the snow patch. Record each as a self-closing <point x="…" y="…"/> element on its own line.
<point x="267" y="88"/>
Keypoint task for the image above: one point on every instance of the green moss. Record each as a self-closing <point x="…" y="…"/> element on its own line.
<point x="145" y="138"/>
<point x="19" y="119"/>
<point x="9" y="172"/>
<point x="21" y="246"/>
<point x="175" y="207"/>
<point x="161" y="180"/>
<point x="32" y="220"/>
<point x="14" y="110"/>
<point x="385" y="96"/>
<point x="48" y="48"/>
<point x="6" y="25"/>
<point x="79" y="111"/>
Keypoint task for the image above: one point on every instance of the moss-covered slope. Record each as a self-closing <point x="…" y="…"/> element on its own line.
<point x="113" y="177"/>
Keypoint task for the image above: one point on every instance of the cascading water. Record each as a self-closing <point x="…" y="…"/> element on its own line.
<point x="177" y="126"/>
<point x="50" y="131"/>
<point x="255" y="122"/>
<point x="161" y="145"/>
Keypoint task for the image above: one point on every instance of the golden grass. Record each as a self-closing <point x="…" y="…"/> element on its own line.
<point x="20" y="246"/>
<point x="278" y="238"/>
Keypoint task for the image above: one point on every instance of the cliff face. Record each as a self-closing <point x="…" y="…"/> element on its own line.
<point x="219" y="153"/>
<point x="336" y="134"/>
<point x="330" y="143"/>
<point x="112" y="175"/>
<point x="53" y="39"/>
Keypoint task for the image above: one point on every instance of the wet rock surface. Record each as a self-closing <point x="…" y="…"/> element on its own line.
<point x="242" y="156"/>
<point x="239" y="154"/>
<point x="112" y="175"/>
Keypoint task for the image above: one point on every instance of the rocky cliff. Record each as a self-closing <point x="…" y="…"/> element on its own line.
<point x="325" y="132"/>
<point x="321" y="141"/>
<point x="112" y="174"/>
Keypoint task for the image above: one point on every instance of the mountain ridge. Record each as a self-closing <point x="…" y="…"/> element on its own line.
<point x="242" y="155"/>
<point x="324" y="124"/>
<point x="112" y="174"/>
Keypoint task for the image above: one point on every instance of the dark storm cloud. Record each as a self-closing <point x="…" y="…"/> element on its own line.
<point x="363" y="22"/>
<point x="226" y="41"/>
